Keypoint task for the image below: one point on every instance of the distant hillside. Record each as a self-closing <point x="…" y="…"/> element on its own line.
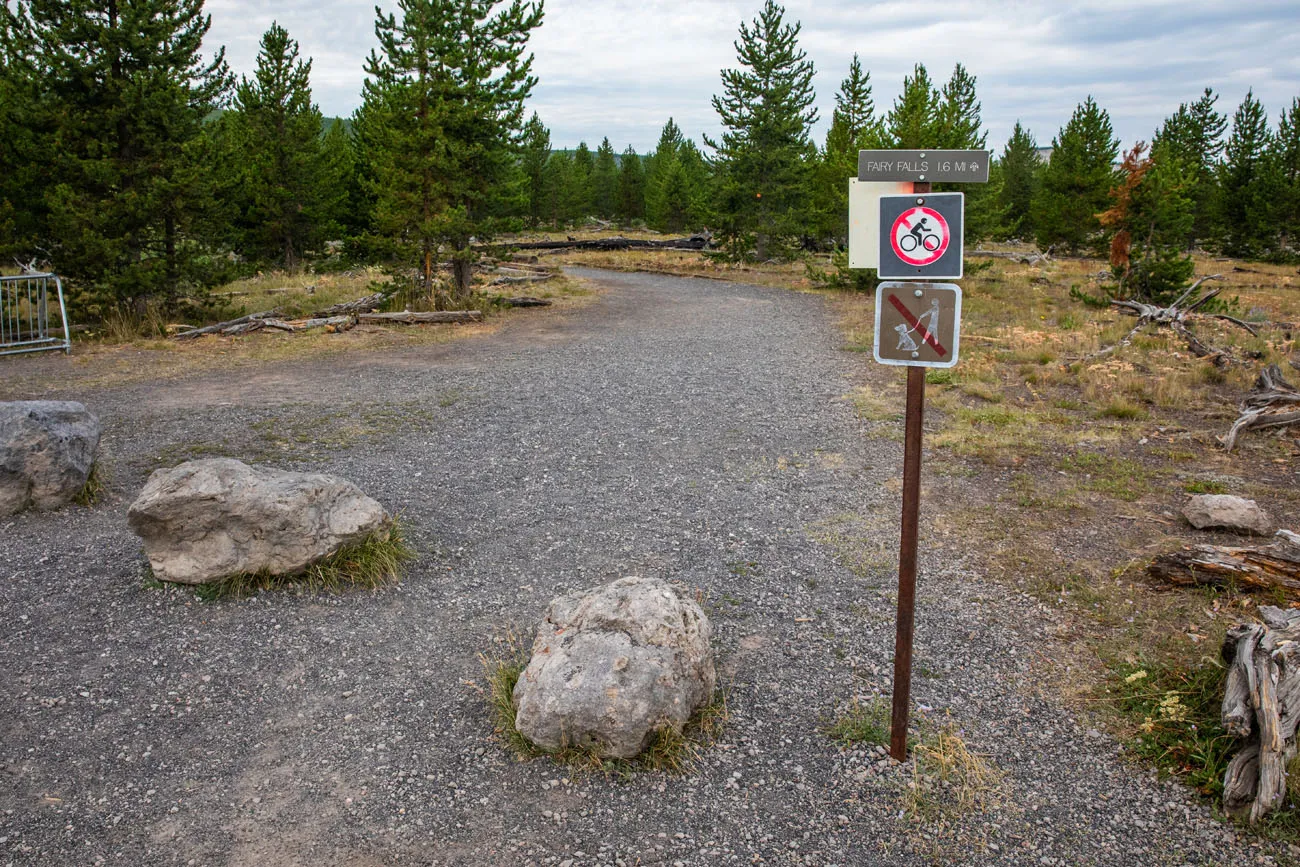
<point x="326" y="122"/>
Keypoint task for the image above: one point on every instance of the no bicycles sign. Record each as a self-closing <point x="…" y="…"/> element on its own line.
<point x="921" y="236"/>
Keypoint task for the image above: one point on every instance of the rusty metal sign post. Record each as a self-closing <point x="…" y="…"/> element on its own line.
<point x="917" y="319"/>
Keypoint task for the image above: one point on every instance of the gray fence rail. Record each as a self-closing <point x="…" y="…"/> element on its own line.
<point x="26" y="311"/>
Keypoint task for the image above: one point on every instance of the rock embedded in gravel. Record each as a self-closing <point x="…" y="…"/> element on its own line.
<point x="47" y="448"/>
<point x="613" y="665"/>
<point x="1225" y="512"/>
<point x="208" y="520"/>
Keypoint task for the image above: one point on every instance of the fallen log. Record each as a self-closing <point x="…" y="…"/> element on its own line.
<point x="1271" y="567"/>
<point x="1261" y="706"/>
<point x="528" y="278"/>
<point x="225" y="327"/>
<point x="694" y="242"/>
<point x="1022" y="258"/>
<point x="409" y="318"/>
<point x="361" y="305"/>
<point x="525" y="301"/>
<point x="1273" y="403"/>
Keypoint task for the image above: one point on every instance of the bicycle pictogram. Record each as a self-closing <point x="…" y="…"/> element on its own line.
<point x="920" y="236"/>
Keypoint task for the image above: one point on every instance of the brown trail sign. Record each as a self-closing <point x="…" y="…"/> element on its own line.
<point x="917" y="326"/>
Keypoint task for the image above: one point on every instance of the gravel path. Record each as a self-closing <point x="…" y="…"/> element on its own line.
<point x="689" y="429"/>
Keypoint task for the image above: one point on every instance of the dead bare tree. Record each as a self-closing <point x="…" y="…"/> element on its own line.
<point x="1273" y="403"/>
<point x="1176" y="318"/>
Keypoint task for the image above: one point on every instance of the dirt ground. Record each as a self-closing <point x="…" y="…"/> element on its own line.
<point x="724" y="435"/>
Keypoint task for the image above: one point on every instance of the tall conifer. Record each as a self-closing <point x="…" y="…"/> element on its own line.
<point x="1077" y="180"/>
<point x="763" y="157"/>
<point x="124" y="91"/>
<point x="447" y="87"/>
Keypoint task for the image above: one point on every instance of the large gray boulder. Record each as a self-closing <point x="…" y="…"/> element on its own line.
<point x="611" y="666"/>
<point x="47" y="448"/>
<point x="208" y="520"/>
<point x="1224" y="512"/>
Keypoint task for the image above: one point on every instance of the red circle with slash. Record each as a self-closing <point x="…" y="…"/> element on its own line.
<point x="920" y="236"/>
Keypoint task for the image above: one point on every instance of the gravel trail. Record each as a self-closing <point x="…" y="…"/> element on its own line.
<point x="693" y="430"/>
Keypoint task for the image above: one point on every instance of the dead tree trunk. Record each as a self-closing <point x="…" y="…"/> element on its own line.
<point x="1273" y="403"/>
<point x="1261" y="706"/>
<point x="1271" y="567"/>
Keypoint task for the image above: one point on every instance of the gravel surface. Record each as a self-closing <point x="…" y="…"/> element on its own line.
<point x="692" y="430"/>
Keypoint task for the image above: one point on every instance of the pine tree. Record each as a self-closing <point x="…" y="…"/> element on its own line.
<point x="447" y="87"/>
<point x="1286" y="168"/>
<point x="913" y="121"/>
<point x="1193" y="135"/>
<point x="1149" y="218"/>
<point x="957" y="123"/>
<point x="764" y="155"/>
<point x="1077" y="180"/>
<point x="855" y="109"/>
<point x="278" y="134"/>
<point x="1244" y="201"/>
<point x="854" y="127"/>
<point x="124" y="90"/>
<point x="21" y="184"/>
<point x="536" y="150"/>
<point x="1021" y="172"/>
<point x="578" y="193"/>
<point x="556" y="182"/>
<point x="657" y="166"/>
<point x="604" y="181"/>
<point x="335" y="178"/>
<point x="631" y="186"/>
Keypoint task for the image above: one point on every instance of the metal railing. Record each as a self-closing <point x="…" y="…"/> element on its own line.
<point x="25" y="314"/>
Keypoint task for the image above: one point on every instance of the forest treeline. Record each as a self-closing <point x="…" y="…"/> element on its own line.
<point x="145" y="172"/>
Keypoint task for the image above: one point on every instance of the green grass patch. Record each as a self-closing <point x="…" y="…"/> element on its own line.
<point x="1117" y="477"/>
<point x="861" y="724"/>
<point x="1205" y="486"/>
<point x="374" y="562"/>
<point x="1176" y="711"/>
<point x="1121" y="408"/>
<point x="95" y="487"/>
<point x="670" y="750"/>
<point x="938" y="376"/>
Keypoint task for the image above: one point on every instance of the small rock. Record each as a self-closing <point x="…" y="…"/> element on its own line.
<point x="207" y="520"/>
<point x="47" y="448"/>
<point x="611" y="666"/>
<point x="1225" y="512"/>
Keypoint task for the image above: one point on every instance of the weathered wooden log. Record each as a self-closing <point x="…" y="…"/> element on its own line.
<point x="526" y="301"/>
<point x="525" y="278"/>
<point x="1273" y="403"/>
<point x="1264" y="567"/>
<point x="222" y="327"/>
<point x="1261" y="705"/>
<point x="409" y="318"/>
<point x="360" y="305"/>
<point x="244" y="328"/>
<point x="694" y="242"/>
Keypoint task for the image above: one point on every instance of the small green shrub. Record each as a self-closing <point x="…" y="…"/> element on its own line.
<point x="861" y="724"/>
<point x="1205" y="486"/>
<point x="94" y="488"/>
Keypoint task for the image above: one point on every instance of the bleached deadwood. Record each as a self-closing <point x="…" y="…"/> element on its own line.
<point x="1261" y="705"/>
<point x="230" y="326"/>
<point x="1273" y="403"/>
<point x="360" y="305"/>
<point x="244" y="328"/>
<point x="1176" y="317"/>
<point x="1271" y="567"/>
<point x="1021" y="258"/>
<point x="409" y="318"/>
<point x="523" y="278"/>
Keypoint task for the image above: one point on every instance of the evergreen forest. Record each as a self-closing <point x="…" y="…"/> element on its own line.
<point x="145" y="172"/>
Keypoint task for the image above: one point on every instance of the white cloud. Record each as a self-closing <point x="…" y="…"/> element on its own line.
<point x="620" y="68"/>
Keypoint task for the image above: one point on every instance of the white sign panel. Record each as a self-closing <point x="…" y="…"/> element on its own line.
<point x="864" y="219"/>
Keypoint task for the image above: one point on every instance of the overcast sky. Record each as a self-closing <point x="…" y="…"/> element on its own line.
<point x="620" y="68"/>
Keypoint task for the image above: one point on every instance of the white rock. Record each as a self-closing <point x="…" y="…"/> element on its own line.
<point x="47" y="448"/>
<point x="1224" y="512"/>
<point x="207" y="520"/>
<point x="611" y="666"/>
